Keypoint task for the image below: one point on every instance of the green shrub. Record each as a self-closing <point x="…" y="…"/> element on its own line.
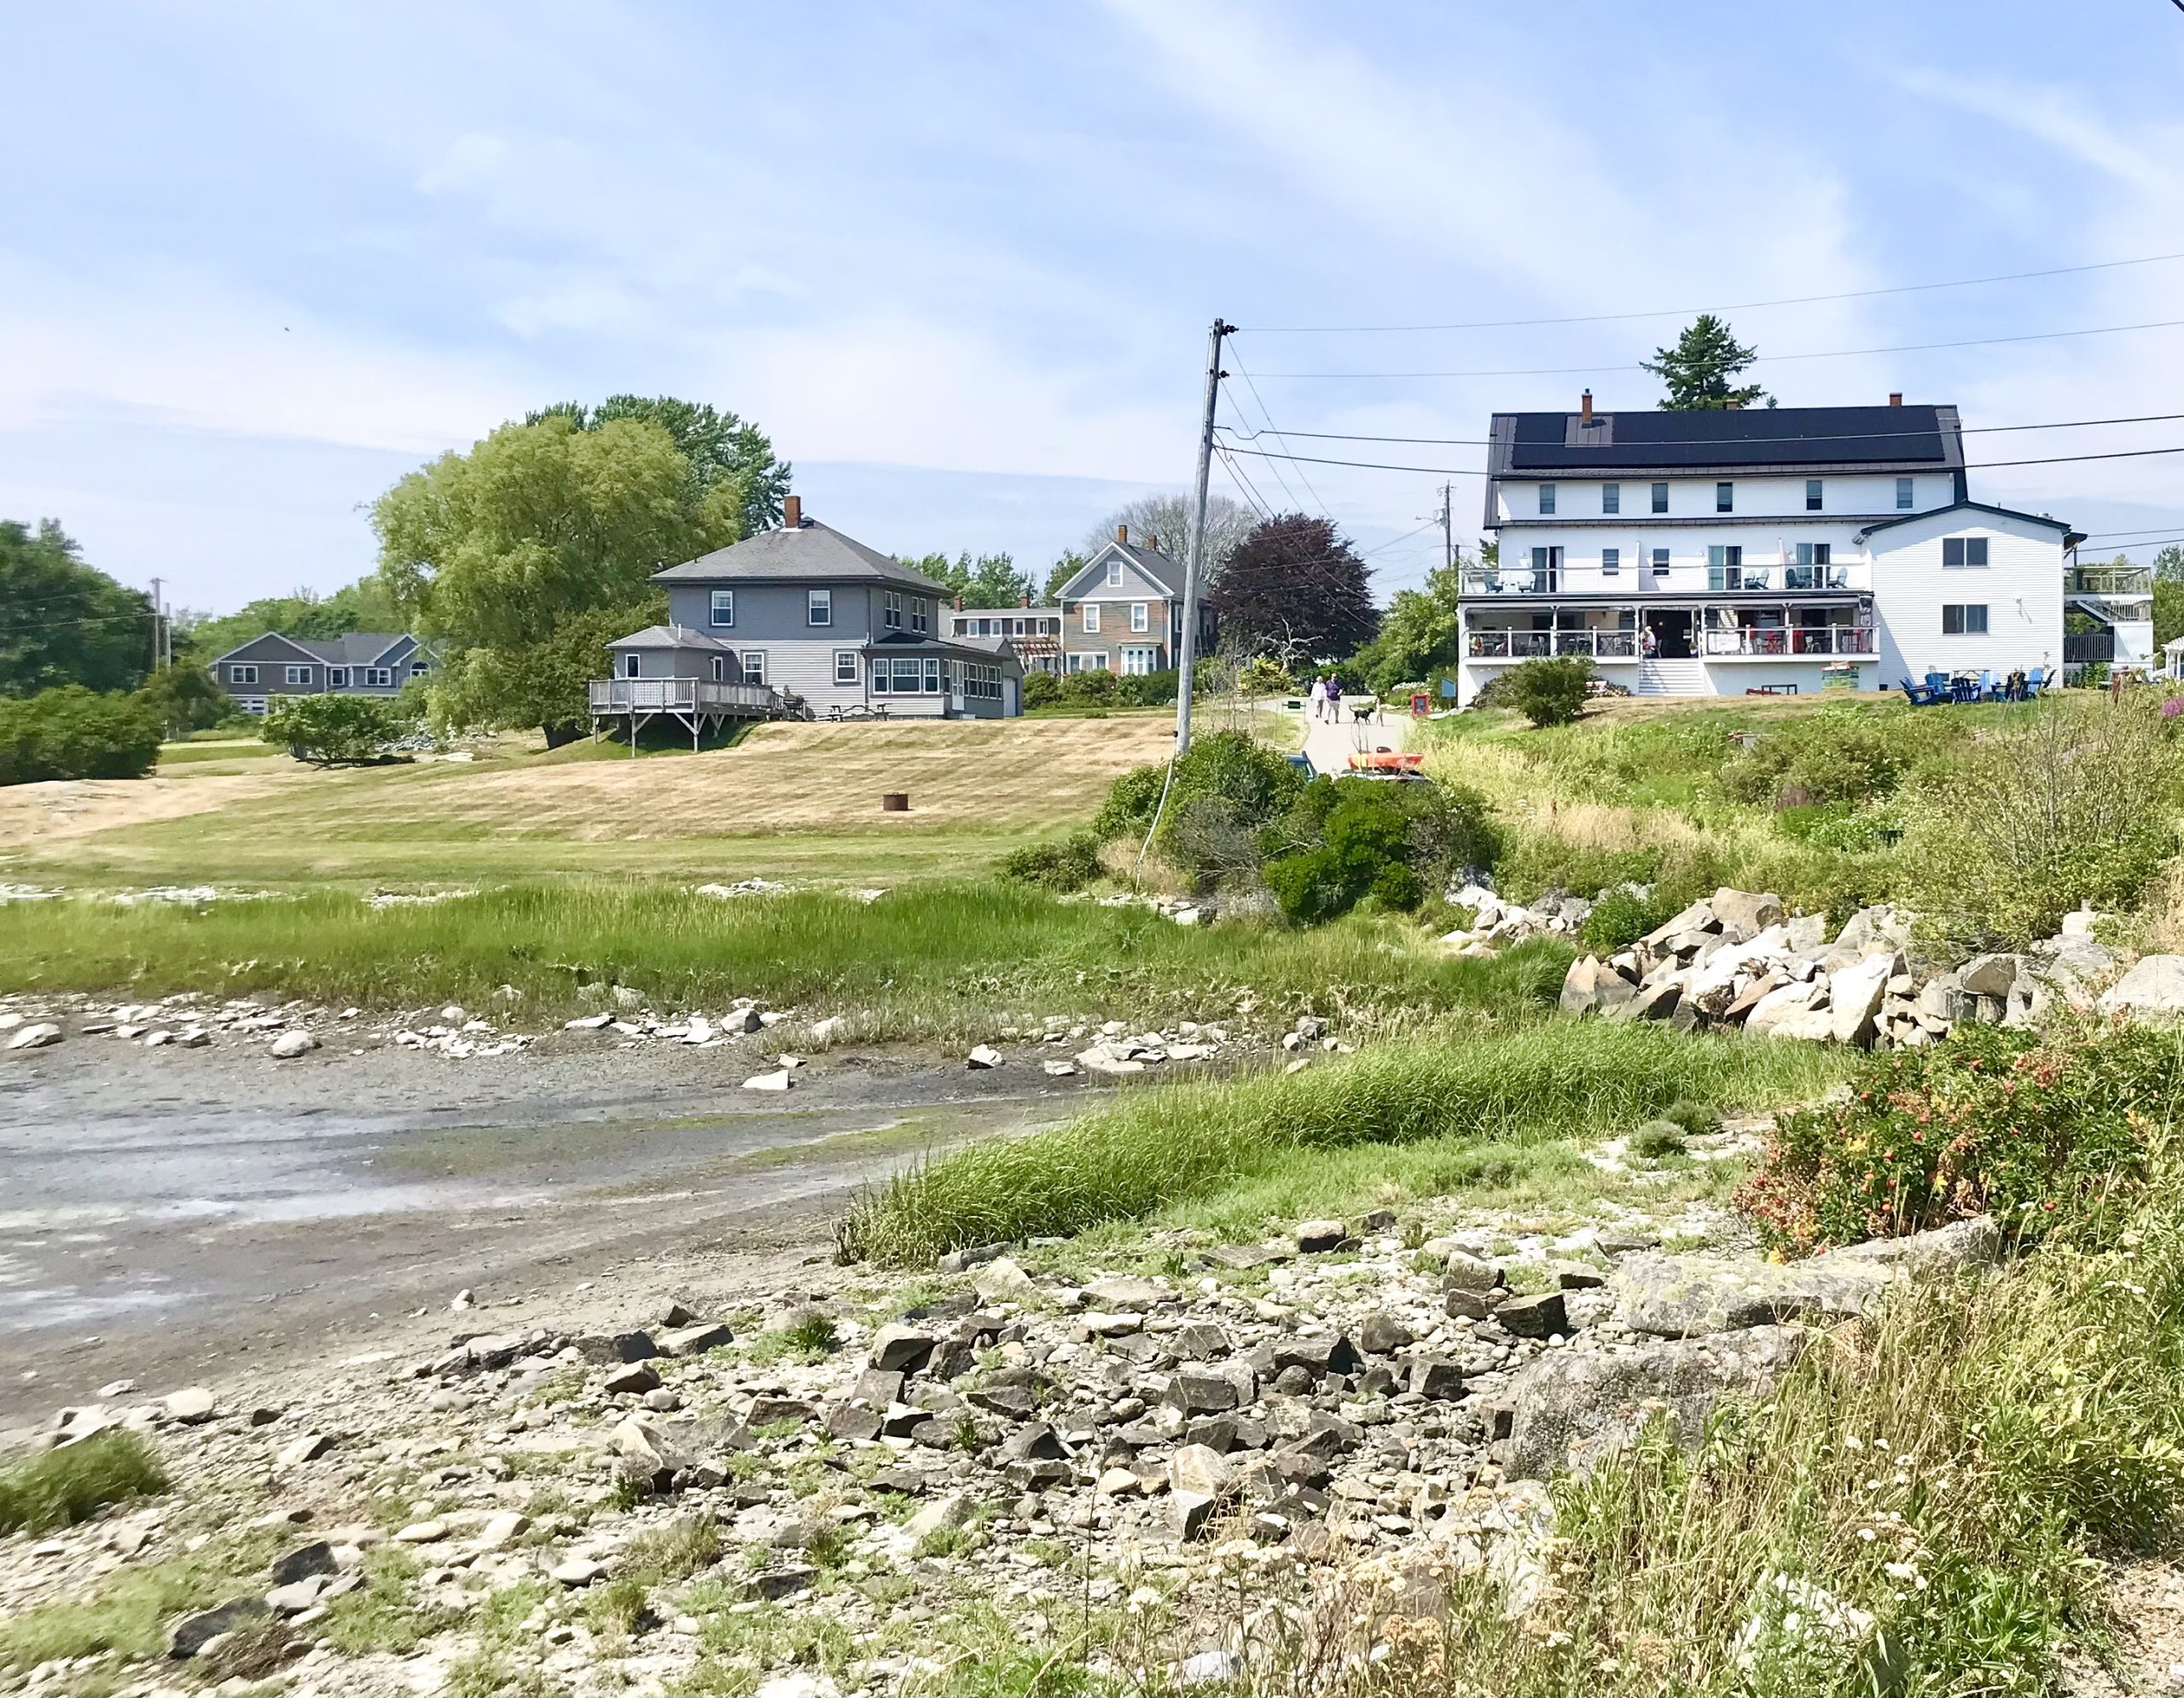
<point x="1040" y="688"/>
<point x="60" y="1488"/>
<point x="74" y="733"/>
<point x="1263" y="675"/>
<point x="1657" y="1138"/>
<point x="2070" y="804"/>
<point x="1842" y="755"/>
<point x="1995" y="1120"/>
<point x="1549" y="692"/>
<point x="1070" y="864"/>
<point x="1620" y="917"/>
<point x="1092" y="688"/>
<point x="336" y="730"/>
<point x="1226" y="784"/>
<point x="1146" y="689"/>
<point x="1346" y="838"/>
<point x="1535" y="862"/>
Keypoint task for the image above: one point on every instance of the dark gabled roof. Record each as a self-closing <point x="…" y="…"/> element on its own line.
<point x="1165" y="574"/>
<point x="2069" y="536"/>
<point x="984" y="647"/>
<point x="1744" y="439"/>
<point x="354" y="649"/>
<point x="811" y="552"/>
<point x="670" y="636"/>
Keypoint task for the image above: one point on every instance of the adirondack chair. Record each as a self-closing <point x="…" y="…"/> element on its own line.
<point x="2035" y="682"/>
<point x="1987" y="691"/>
<point x="1919" y="696"/>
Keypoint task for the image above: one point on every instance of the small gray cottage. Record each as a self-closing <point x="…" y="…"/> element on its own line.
<point x="360" y="663"/>
<point x="804" y="620"/>
<point x="1124" y="610"/>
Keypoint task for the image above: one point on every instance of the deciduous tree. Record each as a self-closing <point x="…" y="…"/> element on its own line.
<point x="1295" y="590"/>
<point x="730" y="460"/>
<point x="1698" y="368"/>
<point x="63" y="622"/>
<point x="1168" y="518"/>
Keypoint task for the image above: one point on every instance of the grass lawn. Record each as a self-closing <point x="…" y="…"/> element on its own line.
<point x="797" y="801"/>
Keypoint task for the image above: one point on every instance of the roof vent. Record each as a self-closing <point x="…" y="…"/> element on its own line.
<point x="1896" y="398"/>
<point x="792" y="513"/>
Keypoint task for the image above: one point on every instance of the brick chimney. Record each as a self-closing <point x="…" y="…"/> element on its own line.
<point x="1153" y="543"/>
<point x="959" y="604"/>
<point x="1585" y="407"/>
<point x="792" y="512"/>
<point x="1024" y="600"/>
<point x="1896" y="398"/>
<point x="1121" y="534"/>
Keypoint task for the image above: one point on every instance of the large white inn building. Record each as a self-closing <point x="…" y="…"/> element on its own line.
<point x="1714" y="553"/>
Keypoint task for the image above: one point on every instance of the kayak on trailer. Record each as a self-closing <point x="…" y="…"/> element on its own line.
<point x="1388" y="761"/>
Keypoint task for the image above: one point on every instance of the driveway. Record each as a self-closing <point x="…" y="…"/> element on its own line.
<point x="1330" y="743"/>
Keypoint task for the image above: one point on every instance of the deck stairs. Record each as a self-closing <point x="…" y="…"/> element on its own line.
<point x="1656" y="677"/>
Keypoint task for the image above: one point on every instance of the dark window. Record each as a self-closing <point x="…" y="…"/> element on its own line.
<point x="1964" y="551"/>
<point x="1660" y="562"/>
<point x="629" y="666"/>
<point x="892" y="615"/>
<point x="1725" y="497"/>
<point x="720" y="669"/>
<point x="1969" y="619"/>
<point x="1611" y="562"/>
<point x="819" y="606"/>
<point x="1812" y="495"/>
<point x="1903" y="494"/>
<point x="1546" y="498"/>
<point x="1660" y="497"/>
<point x="1611" y="497"/>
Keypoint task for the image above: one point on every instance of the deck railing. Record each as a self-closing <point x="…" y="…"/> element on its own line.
<point x="1525" y="645"/>
<point x="682" y="696"/>
<point x="2108" y="580"/>
<point x="1832" y="639"/>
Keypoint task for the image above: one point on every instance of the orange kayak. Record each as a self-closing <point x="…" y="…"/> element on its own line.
<point x="1387" y="760"/>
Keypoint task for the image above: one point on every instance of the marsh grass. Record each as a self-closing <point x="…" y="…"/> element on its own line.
<point x="126" y="1617"/>
<point x="935" y="958"/>
<point x="58" y="1488"/>
<point x="1528" y="1086"/>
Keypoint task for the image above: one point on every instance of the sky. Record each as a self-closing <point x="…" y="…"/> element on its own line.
<point x="959" y="260"/>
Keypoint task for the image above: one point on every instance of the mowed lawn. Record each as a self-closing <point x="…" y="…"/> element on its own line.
<point x="790" y="800"/>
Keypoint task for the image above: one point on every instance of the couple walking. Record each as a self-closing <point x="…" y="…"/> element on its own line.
<point x="1326" y="697"/>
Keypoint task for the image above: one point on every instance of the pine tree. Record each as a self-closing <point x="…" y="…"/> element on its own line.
<point x="1698" y="368"/>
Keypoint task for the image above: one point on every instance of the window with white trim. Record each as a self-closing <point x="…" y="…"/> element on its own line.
<point x="298" y="675"/>
<point x="242" y="675"/>
<point x="1964" y="551"/>
<point x="1814" y="490"/>
<point x="1611" y="497"/>
<point x="721" y="610"/>
<point x="1903" y="495"/>
<point x="754" y="666"/>
<point x="1547" y="498"/>
<point x="891" y="613"/>
<point x="629" y="666"/>
<point x="720" y="669"/>
<point x="935" y="684"/>
<point x="1808" y="566"/>
<point x="1660" y="563"/>
<point x="418" y="669"/>
<point x="1611" y="562"/>
<point x="819" y="606"/>
<point x="1725" y="497"/>
<point x="1141" y="618"/>
<point x="379" y="677"/>
<point x="1114" y="574"/>
<point x="1967" y="620"/>
<point x="1091" y="616"/>
<point x="337" y="678"/>
<point x="1660" y="497"/>
<point x="846" y="665"/>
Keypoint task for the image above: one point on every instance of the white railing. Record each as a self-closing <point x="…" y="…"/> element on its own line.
<point x="1525" y="645"/>
<point x="2108" y="580"/>
<point x="682" y="696"/>
<point x="1638" y="578"/>
<point x="1793" y="641"/>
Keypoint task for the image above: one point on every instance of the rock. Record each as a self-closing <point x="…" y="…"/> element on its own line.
<point x="1789" y="1000"/>
<point x="1855" y="996"/>
<point x="589" y="1022"/>
<point x="779" y="1079"/>
<point x="1436" y="1376"/>
<point x="1657" y="1000"/>
<point x="1210" y="1668"/>
<point x="290" y="1045"/>
<point x="1199" y="1390"/>
<point x="189" y="1406"/>
<point x="896" y="1346"/>
<point x="632" y="1381"/>
<point x="1382" y="1334"/>
<point x="950" y="1511"/>
<point x="696" y="1340"/>
<point x="308" y="1449"/>
<point x="1813" y="1025"/>
<point x="193" y="1633"/>
<point x="296" y="1598"/>
<point x="577" y="1571"/>
<point x="1463" y="1270"/>
<point x="1581" y="985"/>
<point x="502" y="1529"/>
<point x="305" y="1561"/>
<point x="494" y="1350"/>
<point x="1687" y="1296"/>
<point x="1699" y="917"/>
<point x="1464" y="1305"/>
<point x="983" y="1058"/>
<point x="1318" y="1354"/>
<point x="1059" y="1069"/>
<point x="1325" y="1438"/>
<point x="800" y="1683"/>
<point x="1990" y="975"/>
<point x="421" y="1533"/>
<point x="1744" y="915"/>
<point x="1002" y="1281"/>
<point x="1577" y="1276"/>
<point x="1534" y="1317"/>
<point x="2154" y="987"/>
<point x="1126" y="1293"/>
<point x="1740" y="1006"/>
<point x="41" y="1036"/>
<point x="1189" y="1512"/>
<point x="1200" y="1468"/>
<point x="1572" y="1408"/>
<point x="1317" y="1236"/>
<point x="1977" y="1242"/>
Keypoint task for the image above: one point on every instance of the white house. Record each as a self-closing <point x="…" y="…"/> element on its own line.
<point x="1774" y="549"/>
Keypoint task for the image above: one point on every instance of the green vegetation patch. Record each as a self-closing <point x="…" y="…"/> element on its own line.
<point x="60" y="1488"/>
<point x="1550" y="1081"/>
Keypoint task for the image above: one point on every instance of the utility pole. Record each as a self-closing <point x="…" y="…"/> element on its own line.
<point x="1448" y="526"/>
<point x="1194" y="558"/>
<point x="162" y="655"/>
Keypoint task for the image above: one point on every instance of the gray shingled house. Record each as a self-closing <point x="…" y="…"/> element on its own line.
<point x="1124" y="610"/>
<point x="804" y="620"/>
<point x="360" y="663"/>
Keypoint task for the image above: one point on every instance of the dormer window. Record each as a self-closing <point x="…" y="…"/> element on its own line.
<point x="1114" y="574"/>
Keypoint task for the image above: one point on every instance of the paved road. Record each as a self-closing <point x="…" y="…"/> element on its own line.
<point x="1329" y="743"/>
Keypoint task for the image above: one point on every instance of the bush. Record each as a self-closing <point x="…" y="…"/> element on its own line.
<point x="1549" y="692"/>
<point x="1070" y="864"/>
<point x="73" y="733"/>
<point x="60" y="1488"/>
<point x="1844" y="754"/>
<point x="1089" y="689"/>
<point x="1146" y="689"/>
<point x="1621" y="916"/>
<point x="1263" y="675"/>
<point x="1994" y="1121"/>
<point x="1041" y="688"/>
<point x="1226" y="784"/>
<point x="1657" y="1138"/>
<point x="336" y="730"/>
<point x="1346" y="838"/>
<point x="2071" y="803"/>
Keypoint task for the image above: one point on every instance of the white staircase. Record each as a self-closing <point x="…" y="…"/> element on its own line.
<point x="1656" y="677"/>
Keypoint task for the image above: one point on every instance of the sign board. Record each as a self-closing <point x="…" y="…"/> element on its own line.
<point x="1420" y="704"/>
<point x="1448" y="689"/>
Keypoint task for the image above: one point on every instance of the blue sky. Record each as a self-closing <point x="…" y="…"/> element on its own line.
<point x="959" y="259"/>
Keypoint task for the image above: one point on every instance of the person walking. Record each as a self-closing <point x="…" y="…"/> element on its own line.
<point x="1319" y="698"/>
<point x="1334" y="699"/>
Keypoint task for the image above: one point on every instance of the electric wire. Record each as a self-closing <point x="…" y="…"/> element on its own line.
<point x="1702" y="441"/>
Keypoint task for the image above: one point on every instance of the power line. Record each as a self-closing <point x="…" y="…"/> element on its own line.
<point x="1477" y="472"/>
<point x="1733" y="307"/>
<point x="1702" y="441"/>
<point x="2096" y="535"/>
<point x="1269" y="417"/>
<point x="1760" y="359"/>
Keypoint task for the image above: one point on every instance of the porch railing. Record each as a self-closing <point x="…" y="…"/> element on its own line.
<point x="1638" y="577"/>
<point x="1527" y="645"/>
<point x="1791" y="640"/>
<point x="2108" y="580"/>
<point x="682" y="696"/>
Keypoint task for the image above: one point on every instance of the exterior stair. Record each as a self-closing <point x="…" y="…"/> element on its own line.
<point x="1656" y="677"/>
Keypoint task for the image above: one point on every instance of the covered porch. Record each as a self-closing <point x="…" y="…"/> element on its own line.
<point x="1833" y="628"/>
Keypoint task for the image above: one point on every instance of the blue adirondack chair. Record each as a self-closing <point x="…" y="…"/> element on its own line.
<point x="2035" y="682"/>
<point x="1919" y="696"/>
<point x="1987" y="691"/>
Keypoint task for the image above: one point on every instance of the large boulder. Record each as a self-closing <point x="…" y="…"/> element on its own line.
<point x="1745" y="914"/>
<point x="1855" y="995"/>
<point x="2154" y="987"/>
<point x="1990" y="975"/>
<point x="1699" y="917"/>
<point x="1780" y="1004"/>
<point x="1573" y="1408"/>
<point x="1580" y="984"/>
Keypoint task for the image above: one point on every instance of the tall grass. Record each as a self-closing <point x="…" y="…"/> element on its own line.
<point x="934" y="953"/>
<point x="1551" y="1080"/>
<point x="60" y="1488"/>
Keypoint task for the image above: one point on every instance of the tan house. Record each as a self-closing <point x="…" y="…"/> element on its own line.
<point x="1123" y="612"/>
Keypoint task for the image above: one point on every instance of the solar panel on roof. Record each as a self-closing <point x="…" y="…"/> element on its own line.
<point x="1771" y="436"/>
